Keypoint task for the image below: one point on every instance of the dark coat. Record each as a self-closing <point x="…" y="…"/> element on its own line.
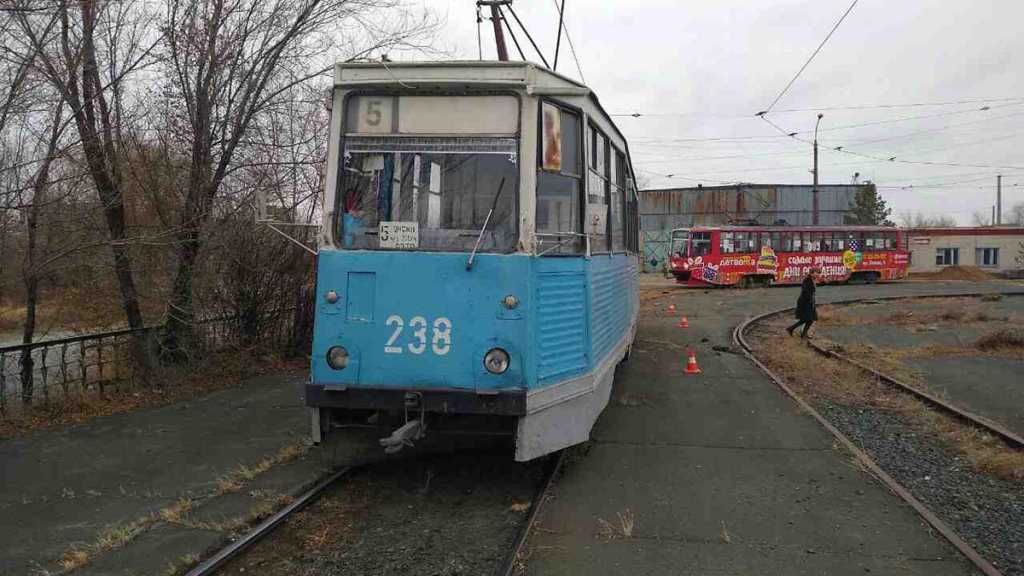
<point x="805" y="306"/>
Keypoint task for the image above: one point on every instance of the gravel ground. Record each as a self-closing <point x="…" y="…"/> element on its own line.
<point x="444" y="515"/>
<point x="987" y="512"/>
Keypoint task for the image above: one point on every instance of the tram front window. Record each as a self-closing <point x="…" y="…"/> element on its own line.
<point x="446" y="185"/>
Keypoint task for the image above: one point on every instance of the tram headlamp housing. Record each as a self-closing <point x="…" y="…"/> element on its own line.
<point x="496" y="361"/>
<point x="337" y="357"/>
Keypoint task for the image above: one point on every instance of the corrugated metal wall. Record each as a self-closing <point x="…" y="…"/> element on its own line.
<point x="663" y="210"/>
<point x="766" y="203"/>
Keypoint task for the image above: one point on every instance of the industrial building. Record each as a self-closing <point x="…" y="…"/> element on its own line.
<point x="995" y="249"/>
<point x="663" y="210"/>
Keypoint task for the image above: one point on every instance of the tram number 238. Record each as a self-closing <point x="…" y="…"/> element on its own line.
<point x="440" y="335"/>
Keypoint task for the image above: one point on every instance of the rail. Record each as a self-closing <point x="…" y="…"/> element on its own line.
<point x="58" y="367"/>
<point x="926" y="514"/>
<point x="507" y="567"/>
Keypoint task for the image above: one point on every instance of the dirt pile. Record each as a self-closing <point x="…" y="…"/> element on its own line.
<point x="968" y="273"/>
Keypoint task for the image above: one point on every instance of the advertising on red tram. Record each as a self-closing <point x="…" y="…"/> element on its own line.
<point x="746" y="255"/>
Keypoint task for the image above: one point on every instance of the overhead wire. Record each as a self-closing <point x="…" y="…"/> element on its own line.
<point x="558" y="38"/>
<point x="827" y="108"/>
<point x="815" y="53"/>
<point x="528" y="36"/>
<point x="568" y="39"/>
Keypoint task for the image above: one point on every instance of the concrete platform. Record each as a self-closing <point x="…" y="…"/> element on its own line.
<point x="991" y="387"/>
<point x="64" y="488"/>
<point x="721" y="473"/>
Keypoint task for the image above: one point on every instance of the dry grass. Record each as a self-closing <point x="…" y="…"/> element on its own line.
<point x="1004" y="339"/>
<point x="622" y="529"/>
<point x="951" y="310"/>
<point x="724" y="534"/>
<point x="176" y="512"/>
<point x="73" y="559"/>
<point x="236" y="479"/>
<point x="181" y="565"/>
<point x="816" y="377"/>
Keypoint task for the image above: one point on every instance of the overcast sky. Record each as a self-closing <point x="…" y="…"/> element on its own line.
<point x="699" y="71"/>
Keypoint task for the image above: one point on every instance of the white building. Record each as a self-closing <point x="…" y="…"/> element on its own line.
<point x="993" y="249"/>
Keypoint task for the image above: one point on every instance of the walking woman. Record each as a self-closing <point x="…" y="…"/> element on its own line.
<point x="806" y="312"/>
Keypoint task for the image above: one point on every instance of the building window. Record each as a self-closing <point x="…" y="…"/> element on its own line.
<point x="947" y="256"/>
<point x="986" y="257"/>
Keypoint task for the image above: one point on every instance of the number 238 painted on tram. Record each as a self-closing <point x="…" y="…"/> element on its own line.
<point x="478" y="261"/>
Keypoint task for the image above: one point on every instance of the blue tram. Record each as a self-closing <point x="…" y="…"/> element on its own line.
<point x="478" y="261"/>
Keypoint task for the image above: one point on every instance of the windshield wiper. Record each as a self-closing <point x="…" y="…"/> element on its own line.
<point x="469" y="263"/>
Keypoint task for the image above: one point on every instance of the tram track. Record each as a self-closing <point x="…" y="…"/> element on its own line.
<point x="237" y="549"/>
<point x="261" y="530"/>
<point x="1012" y="439"/>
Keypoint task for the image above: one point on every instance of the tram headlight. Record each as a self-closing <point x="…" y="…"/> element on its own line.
<point x="337" y="357"/>
<point x="496" y="361"/>
<point x="331" y="296"/>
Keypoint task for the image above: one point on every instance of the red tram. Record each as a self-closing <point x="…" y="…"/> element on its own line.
<point x="765" y="255"/>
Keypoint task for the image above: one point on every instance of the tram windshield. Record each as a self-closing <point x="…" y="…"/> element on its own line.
<point x="429" y="191"/>
<point x="680" y="240"/>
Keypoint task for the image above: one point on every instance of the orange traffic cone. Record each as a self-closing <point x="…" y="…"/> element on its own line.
<point x="691" y="363"/>
<point x="684" y="323"/>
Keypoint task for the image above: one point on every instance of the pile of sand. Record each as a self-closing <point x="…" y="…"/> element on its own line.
<point x="969" y="273"/>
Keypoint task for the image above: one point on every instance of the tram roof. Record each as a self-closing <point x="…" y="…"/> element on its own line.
<point x="790" y="228"/>
<point x="517" y="74"/>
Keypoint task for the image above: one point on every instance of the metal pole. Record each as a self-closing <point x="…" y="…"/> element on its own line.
<point x="999" y="200"/>
<point x="815" y="190"/>
<point x="993" y="215"/>
<point x="499" y="37"/>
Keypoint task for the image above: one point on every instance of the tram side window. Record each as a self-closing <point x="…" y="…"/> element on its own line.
<point x="558" y="181"/>
<point x="890" y="240"/>
<point x="787" y="242"/>
<point x="812" y="242"/>
<point x="727" y="246"/>
<point x="632" y="226"/>
<point x="616" y="201"/>
<point x="597" y="191"/>
<point x="700" y="244"/>
<point x="743" y="242"/>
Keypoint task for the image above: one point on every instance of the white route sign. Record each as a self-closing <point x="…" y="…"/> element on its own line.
<point x="399" y="235"/>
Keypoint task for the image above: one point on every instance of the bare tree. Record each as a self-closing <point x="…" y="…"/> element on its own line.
<point x="919" y="220"/>
<point x="231" y="61"/>
<point x="86" y="50"/>
<point x="31" y="269"/>
<point x="980" y="219"/>
<point x="1016" y="215"/>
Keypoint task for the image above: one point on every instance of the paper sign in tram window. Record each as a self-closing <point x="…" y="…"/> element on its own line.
<point x="399" y="235"/>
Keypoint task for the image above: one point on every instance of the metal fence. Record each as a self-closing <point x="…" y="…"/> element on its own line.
<point x="54" y="368"/>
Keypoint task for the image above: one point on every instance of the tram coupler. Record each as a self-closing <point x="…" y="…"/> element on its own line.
<point x="403" y="436"/>
<point x="412" y="430"/>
